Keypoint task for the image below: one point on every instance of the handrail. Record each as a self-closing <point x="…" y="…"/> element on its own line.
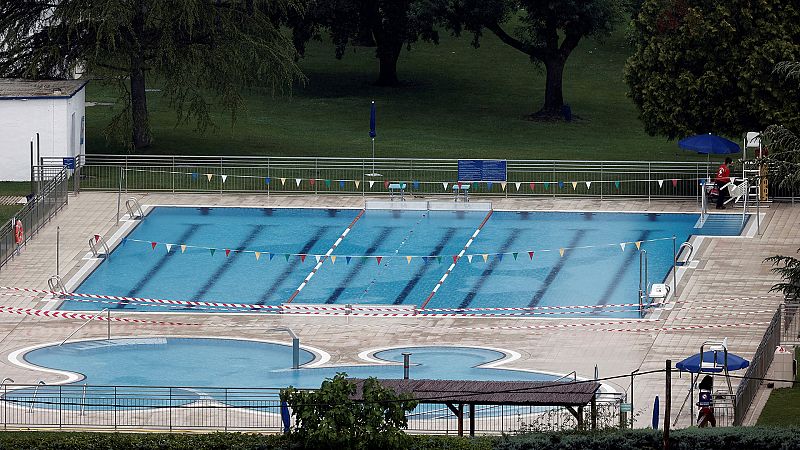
<point x="35" y="393"/>
<point x="83" y="399"/>
<point x="688" y="256"/>
<point x="133" y="206"/>
<point x="56" y="285"/>
<point x="106" y="310"/>
<point x="96" y="240"/>
<point x="6" y="379"/>
<point x="295" y="345"/>
<point x="573" y="373"/>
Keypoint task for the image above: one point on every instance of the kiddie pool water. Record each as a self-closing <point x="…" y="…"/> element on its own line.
<point x="604" y="273"/>
<point x="206" y="363"/>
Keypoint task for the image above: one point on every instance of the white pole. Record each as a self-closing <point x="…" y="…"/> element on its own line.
<point x="373" y="155"/>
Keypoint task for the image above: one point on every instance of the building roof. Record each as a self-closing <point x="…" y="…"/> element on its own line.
<point x="16" y="88"/>
<point x="533" y="393"/>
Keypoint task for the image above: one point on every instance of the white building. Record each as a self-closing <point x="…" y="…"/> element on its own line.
<point x="54" y="109"/>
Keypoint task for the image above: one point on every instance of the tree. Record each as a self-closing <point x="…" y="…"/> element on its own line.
<point x="388" y="25"/>
<point x="192" y="47"/>
<point x="706" y="66"/>
<point x="329" y="418"/>
<point x="548" y="32"/>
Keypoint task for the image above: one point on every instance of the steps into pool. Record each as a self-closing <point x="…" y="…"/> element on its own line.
<point x="720" y="225"/>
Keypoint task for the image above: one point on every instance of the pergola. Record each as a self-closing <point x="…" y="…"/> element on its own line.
<point x="456" y="394"/>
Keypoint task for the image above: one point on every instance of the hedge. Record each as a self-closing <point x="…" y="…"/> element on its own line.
<point x="741" y="438"/>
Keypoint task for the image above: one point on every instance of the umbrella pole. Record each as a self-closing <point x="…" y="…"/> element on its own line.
<point x="373" y="155"/>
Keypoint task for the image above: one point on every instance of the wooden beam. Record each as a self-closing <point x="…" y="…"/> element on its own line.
<point x="594" y="413"/>
<point x="471" y="420"/>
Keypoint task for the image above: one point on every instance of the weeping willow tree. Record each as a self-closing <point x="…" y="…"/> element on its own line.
<point x="202" y="52"/>
<point x="784" y="168"/>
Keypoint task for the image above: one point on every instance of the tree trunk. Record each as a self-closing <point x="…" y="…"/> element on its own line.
<point x="388" y="54"/>
<point x="139" y="119"/>
<point x="553" y="92"/>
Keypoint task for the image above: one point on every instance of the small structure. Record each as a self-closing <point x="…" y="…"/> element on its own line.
<point x="455" y="395"/>
<point x="55" y="109"/>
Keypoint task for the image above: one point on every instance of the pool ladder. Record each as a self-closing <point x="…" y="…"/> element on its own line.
<point x="94" y="317"/>
<point x="96" y="243"/>
<point x="35" y="393"/>
<point x="134" y="209"/>
<point x="690" y="250"/>
<point x="57" y="287"/>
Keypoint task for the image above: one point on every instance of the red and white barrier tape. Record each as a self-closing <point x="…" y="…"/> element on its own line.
<point x="83" y="316"/>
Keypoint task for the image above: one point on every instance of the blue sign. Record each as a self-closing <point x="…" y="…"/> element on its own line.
<point x="481" y="170"/>
<point x="69" y="163"/>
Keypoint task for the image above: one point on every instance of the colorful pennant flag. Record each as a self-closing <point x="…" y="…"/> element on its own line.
<point x="169" y="247"/>
<point x="574" y="185"/>
<point x="415" y="184"/>
<point x="358" y="183"/>
<point x="212" y="251"/>
<point x="546" y="185"/>
<point x="489" y="185"/>
<point x="341" y="184"/>
<point x="561" y="185"/>
<point x="297" y="181"/>
<point x="386" y="184"/>
<point x="485" y="257"/>
<point x="561" y="252"/>
<point x="317" y="258"/>
<point x="517" y="185"/>
<point x="283" y="181"/>
<point x="408" y="259"/>
<point x="616" y="184"/>
<point x="469" y="259"/>
<point x="258" y="256"/>
<point x="371" y="183"/>
<point x="286" y="255"/>
<point x="227" y="252"/>
<point x="530" y="255"/>
<point x="660" y="183"/>
<point x="622" y="246"/>
<point x="224" y="177"/>
<point x="153" y="245"/>
<point x="312" y="181"/>
<point x="303" y="258"/>
<point x="183" y="248"/>
<point x="271" y="255"/>
<point x="588" y="184"/>
<point x="674" y="182"/>
<point x="378" y="259"/>
<point x="328" y="183"/>
<point x="267" y="180"/>
<point x="444" y="185"/>
<point x="195" y="175"/>
<point x="333" y="259"/>
<point x="638" y="245"/>
<point x="532" y="185"/>
<point x="515" y="254"/>
<point x="503" y="185"/>
<point x="209" y="176"/>
<point x="455" y="259"/>
<point x="348" y="258"/>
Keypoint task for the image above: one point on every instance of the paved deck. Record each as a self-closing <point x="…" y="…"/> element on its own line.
<point x="728" y="268"/>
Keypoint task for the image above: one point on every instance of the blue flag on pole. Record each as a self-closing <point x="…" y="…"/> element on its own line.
<point x="372" y="132"/>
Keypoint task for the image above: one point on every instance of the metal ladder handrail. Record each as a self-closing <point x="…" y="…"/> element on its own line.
<point x="573" y="374"/>
<point x="96" y="240"/>
<point x="83" y="400"/>
<point x="35" y="393"/>
<point x="130" y="204"/>
<point x="106" y="310"/>
<point x="688" y="256"/>
<point x="56" y="285"/>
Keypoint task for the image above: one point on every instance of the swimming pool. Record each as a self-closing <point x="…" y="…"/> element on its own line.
<point x="265" y="256"/>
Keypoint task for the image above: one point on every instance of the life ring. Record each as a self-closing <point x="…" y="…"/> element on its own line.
<point x="19" y="233"/>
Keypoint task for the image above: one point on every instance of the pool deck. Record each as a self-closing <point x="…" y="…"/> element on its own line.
<point x="728" y="268"/>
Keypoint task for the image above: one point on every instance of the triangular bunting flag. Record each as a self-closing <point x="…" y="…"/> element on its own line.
<point x="439" y="259"/>
<point x="312" y="181"/>
<point x="638" y="245"/>
<point x="561" y="185"/>
<point x="532" y="185"/>
<point x="258" y="256"/>
<point x="333" y="259"/>
<point x="371" y="183"/>
<point x="271" y="255"/>
<point x="489" y="185"/>
<point x="622" y="246"/>
<point x="224" y="177"/>
<point x="96" y="237"/>
<point x="209" y="176"/>
<point x="455" y="259"/>
<point x="195" y="175"/>
<point x="341" y="184"/>
<point x="286" y="255"/>
<point x="588" y="184"/>
<point x="124" y="241"/>
<point x="408" y="259"/>
<point x="503" y="185"/>
<point x="469" y="259"/>
<point x="517" y="185"/>
<point x="358" y="183"/>
<point x="348" y="258"/>
<point x="561" y="252"/>
<point x="386" y="184"/>
<point x="212" y="250"/>
<point x="153" y="245"/>
<point x="297" y="181"/>
<point x="317" y="258"/>
<point x="169" y="247"/>
<point x="530" y="255"/>
<point x="415" y="184"/>
<point x="283" y="181"/>
<point x="574" y="185"/>
<point x="459" y="184"/>
<point x="183" y="248"/>
<point x="444" y="185"/>
<point x="616" y="184"/>
<point x="499" y="256"/>
<point x="660" y="183"/>
<point x="328" y="183"/>
<point x="515" y="254"/>
<point x="485" y="257"/>
<point x="674" y="182"/>
<point x="546" y="185"/>
<point x="378" y="259"/>
<point x="227" y="252"/>
<point x="303" y="258"/>
<point x="267" y="180"/>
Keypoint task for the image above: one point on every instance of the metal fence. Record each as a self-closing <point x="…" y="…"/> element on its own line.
<point x="759" y="366"/>
<point x="50" y="198"/>
<point x="328" y="175"/>
<point x="231" y="409"/>
<point x="790" y="331"/>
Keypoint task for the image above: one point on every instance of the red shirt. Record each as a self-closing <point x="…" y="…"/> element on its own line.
<point x="723" y="174"/>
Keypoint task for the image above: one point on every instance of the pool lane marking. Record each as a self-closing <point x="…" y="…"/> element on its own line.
<point x="621" y="270"/>
<point x="473" y="292"/>
<point x="292" y="265"/>
<point x="358" y="266"/>
<point x="456" y="259"/>
<point x="551" y="276"/>
<point x="412" y="283"/>
<point x="327" y="254"/>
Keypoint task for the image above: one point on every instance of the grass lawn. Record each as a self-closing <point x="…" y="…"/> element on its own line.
<point x="783" y="407"/>
<point x="457" y="102"/>
<point x="20" y="188"/>
<point x="7" y="212"/>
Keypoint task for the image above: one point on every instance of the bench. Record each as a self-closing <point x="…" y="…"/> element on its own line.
<point x="397" y="188"/>
<point x="462" y="189"/>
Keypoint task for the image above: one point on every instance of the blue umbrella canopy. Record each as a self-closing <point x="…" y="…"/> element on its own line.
<point x="708" y="144"/>
<point x="372" y="132"/>
<point x="692" y="363"/>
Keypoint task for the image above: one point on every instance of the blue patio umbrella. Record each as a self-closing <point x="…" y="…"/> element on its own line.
<point x="709" y="144"/>
<point x="285" y="416"/>
<point x="692" y="363"/>
<point x="655" y="413"/>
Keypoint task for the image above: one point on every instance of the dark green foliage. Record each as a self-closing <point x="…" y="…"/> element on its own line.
<point x="202" y="51"/>
<point x="388" y="25"/>
<point x="703" y="66"/>
<point x="548" y="33"/>
<point x="329" y="418"/>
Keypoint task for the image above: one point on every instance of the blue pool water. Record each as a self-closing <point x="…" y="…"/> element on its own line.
<point x="602" y="274"/>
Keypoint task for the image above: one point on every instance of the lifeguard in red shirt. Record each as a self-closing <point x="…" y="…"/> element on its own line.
<point x="723" y="177"/>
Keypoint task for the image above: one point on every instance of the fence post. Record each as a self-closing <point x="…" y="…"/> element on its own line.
<point x="170" y="409"/>
<point x="173" y="174"/>
<point x="221" y="168"/>
<point x="602" y="179"/>
<point x="115" y="407"/>
<point x="667" y="403"/>
<point x="649" y="175"/>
